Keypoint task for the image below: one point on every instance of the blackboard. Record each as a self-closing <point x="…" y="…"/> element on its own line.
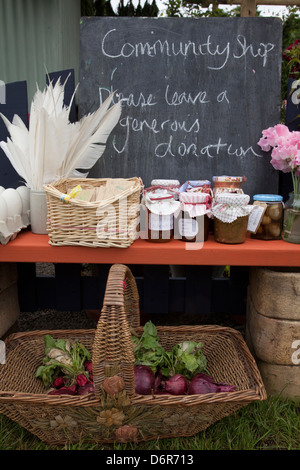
<point x="196" y="94"/>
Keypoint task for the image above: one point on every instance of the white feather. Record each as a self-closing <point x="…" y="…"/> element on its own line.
<point x="91" y="141"/>
<point x="53" y="147"/>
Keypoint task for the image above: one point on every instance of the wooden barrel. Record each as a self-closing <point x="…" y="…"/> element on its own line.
<point x="273" y="328"/>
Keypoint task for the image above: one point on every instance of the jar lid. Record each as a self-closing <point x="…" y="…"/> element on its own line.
<point x="229" y="179"/>
<point x="161" y="202"/>
<point x="229" y="206"/>
<point x="196" y="203"/>
<point x="193" y="185"/>
<point x="232" y="199"/>
<point x="165" y="182"/>
<point x="267" y="197"/>
<point x="191" y="197"/>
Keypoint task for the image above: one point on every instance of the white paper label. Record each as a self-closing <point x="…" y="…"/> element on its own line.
<point x="255" y="217"/>
<point x="160" y="222"/>
<point x="188" y="228"/>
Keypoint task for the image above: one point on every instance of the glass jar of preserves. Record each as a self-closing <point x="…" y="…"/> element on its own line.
<point x="194" y="216"/>
<point x="270" y="225"/>
<point x="161" y="203"/>
<point x="172" y="185"/>
<point x="231" y="213"/>
<point x="203" y="186"/>
<point x="231" y="184"/>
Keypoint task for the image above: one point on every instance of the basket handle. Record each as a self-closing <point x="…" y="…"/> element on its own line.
<point x="112" y="348"/>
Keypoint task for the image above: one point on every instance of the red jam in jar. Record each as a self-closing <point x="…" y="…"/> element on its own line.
<point x="193" y="223"/>
<point x="161" y="203"/>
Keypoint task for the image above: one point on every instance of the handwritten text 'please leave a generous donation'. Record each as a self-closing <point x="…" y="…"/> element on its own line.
<point x="170" y="147"/>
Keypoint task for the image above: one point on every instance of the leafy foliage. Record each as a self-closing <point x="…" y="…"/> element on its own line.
<point x="104" y="8"/>
<point x="185" y="358"/>
<point x="62" y="356"/>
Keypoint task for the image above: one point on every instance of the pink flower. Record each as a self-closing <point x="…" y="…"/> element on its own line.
<point x="285" y="155"/>
<point x="280" y="160"/>
<point x="272" y="136"/>
<point x="294" y="138"/>
<point x="295" y="161"/>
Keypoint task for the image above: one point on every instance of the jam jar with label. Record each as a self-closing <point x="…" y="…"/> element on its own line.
<point x="193" y="222"/>
<point x="171" y="185"/>
<point x="161" y="203"/>
<point x="231" y="184"/>
<point x="203" y="186"/>
<point x="270" y="225"/>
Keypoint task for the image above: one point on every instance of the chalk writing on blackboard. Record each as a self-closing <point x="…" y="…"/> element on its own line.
<point x="195" y="95"/>
<point x="173" y="49"/>
<point x="133" y="125"/>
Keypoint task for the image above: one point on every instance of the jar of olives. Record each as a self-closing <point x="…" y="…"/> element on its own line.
<point x="270" y="225"/>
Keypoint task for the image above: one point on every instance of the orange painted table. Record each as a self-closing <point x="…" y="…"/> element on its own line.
<point x="29" y="247"/>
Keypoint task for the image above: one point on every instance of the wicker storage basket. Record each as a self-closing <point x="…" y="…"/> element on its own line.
<point x="125" y="416"/>
<point x="111" y="223"/>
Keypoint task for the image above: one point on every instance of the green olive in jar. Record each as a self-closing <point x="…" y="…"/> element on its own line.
<point x="266" y="220"/>
<point x="274" y="230"/>
<point x="275" y="212"/>
<point x="271" y="223"/>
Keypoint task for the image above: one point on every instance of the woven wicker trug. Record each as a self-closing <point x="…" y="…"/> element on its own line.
<point x="125" y="416"/>
<point x="109" y="223"/>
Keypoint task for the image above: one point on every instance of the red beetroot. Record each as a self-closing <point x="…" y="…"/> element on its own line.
<point x="144" y="380"/>
<point x="88" y="365"/>
<point x="59" y="382"/>
<point x="81" y="380"/>
<point x="64" y="391"/>
<point x="202" y="383"/>
<point x="176" y="385"/>
<point x="86" y="389"/>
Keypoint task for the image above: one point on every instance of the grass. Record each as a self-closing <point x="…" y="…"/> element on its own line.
<point x="269" y="425"/>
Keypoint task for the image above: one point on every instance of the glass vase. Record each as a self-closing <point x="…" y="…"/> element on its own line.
<point x="291" y="221"/>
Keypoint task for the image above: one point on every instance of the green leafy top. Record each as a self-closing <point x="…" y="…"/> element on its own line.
<point x="62" y="356"/>
<point x="147" y="349"/>
<point x="185" y="358"/>
<point x="188" y="359"/>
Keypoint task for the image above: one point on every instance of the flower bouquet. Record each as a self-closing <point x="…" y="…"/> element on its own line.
<point x="285" y="156"/>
